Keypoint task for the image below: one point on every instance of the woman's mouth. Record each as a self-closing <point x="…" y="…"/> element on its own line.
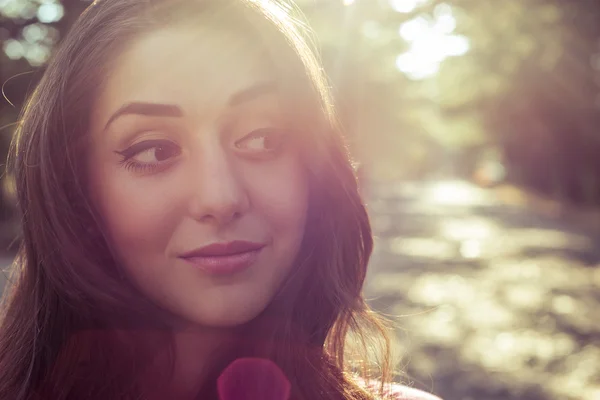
<point x="224" y="258"/>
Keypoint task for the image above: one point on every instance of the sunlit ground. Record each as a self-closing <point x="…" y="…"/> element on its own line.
<point x="492" y="301"/>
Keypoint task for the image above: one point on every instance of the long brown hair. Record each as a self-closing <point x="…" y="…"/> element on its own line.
<point x="65" y="282"/>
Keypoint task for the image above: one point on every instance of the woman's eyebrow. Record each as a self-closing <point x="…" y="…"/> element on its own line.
<point x="171" y="110"/>
<point x="252" y="92"/>
<point x="142" y="108"/>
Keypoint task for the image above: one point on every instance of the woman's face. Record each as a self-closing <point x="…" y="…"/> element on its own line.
<point x="199" y="184"/>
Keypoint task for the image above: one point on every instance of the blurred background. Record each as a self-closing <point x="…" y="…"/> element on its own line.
<point x="476" y="125"/>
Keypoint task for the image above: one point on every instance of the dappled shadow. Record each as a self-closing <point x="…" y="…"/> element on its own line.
<point x="487" y="307"/>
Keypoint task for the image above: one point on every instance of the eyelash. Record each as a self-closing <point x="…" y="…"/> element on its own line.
<point x="266" y="133"/>
<point x="140" y="168"/>
<point x="147" y="168"/>
<point x="131" y="165"/>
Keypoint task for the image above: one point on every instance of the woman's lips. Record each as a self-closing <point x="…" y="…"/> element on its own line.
<point x="224" y="258"/>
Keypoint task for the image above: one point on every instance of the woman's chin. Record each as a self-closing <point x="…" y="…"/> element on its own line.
<point x="226" y="317"/>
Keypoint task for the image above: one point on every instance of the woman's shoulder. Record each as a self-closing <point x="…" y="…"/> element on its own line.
<point x="401" y="392"/>
<point x="396" y="391"/>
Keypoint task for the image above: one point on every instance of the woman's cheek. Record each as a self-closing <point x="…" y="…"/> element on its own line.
<point x="139" y="209"/>
<point x="280" y="192"/>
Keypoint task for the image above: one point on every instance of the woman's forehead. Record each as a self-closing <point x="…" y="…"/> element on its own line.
<point x="185" y="64"/>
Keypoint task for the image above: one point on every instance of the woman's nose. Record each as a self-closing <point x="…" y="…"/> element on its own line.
<point x="219" y="195"/>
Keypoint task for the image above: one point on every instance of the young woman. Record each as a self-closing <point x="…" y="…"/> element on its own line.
<point x="187" y="201"/>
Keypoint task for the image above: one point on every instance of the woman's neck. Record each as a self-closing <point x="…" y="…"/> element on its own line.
<point x="195" y="347"/>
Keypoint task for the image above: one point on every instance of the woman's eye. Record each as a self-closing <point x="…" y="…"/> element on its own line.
<point x="149" y="154"/>
<point x="261" y="140"/>
<point x="156" y="154"/>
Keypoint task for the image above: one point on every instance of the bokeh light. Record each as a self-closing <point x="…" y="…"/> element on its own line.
<point x="431" y="42"/>
<point x="406" y="6"/>
<point x="50" y="12"/>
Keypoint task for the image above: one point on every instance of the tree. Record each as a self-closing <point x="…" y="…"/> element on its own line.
<point x="527" y="61"/>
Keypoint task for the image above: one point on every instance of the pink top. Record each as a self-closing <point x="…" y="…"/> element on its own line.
<point x="238" y="382"/>
<point x="401" y="392"/>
